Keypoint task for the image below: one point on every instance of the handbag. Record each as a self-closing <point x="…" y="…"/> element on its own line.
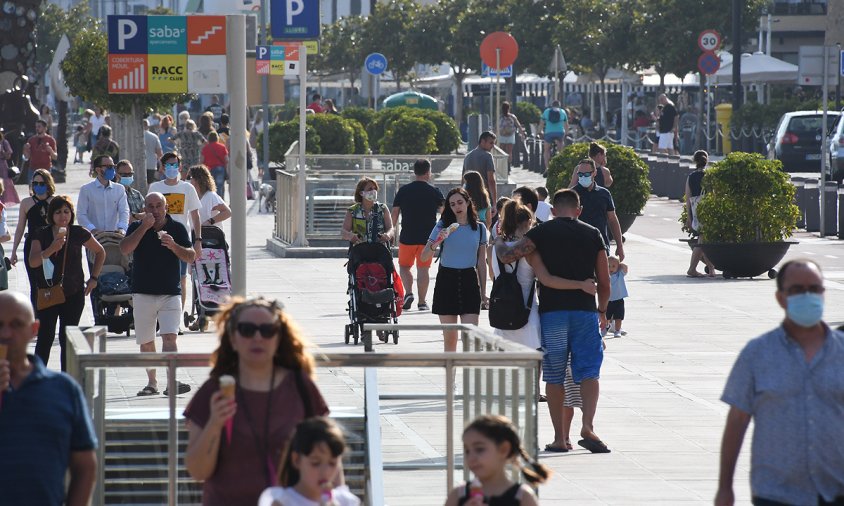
<point x="53" y="295"/>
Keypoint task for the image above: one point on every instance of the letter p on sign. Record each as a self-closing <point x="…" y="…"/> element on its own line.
<point x="126" y="29"/>
<point x="294" y="8"/>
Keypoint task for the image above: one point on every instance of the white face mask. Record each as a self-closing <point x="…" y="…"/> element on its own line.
<point x="370" y="195"/>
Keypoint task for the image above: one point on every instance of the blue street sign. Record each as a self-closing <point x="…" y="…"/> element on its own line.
<point x="295" y="19"/>
<point x="127" y="34"/>
<point x="487" y="71"/>
<point x="376" y="63"/>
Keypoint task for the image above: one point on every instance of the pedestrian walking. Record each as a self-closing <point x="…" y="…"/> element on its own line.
<point x="57" y="251"/>
<point x="474" y="185"/>
<point x="554" y="126"/>
<point x="214" y="210"/>
<point x="152" y="152"/>
<point x="543" y="208"/>
<point x="157" y="244"/>
<point x="603" y="175"/>
<point x="461" y="279"/>
<point x="166" y="132"/>
<point x="490" y="443"/>
<point x="9" y="196"/>
<point x="789" y="382"/>
<point x="32" y="216"/>
<point x="39" y="150"/>
<point x="102" y="205"/>
<point x="367" y="220"/>
<point x="508" y="126"/>
<point x="215" y="156"/>
<point x="618" y="292"/>
<point x="569" y="320"/>
<point x="105" y="146"/>
<point x="417" y="204"/>
<point x="668" y="125"/>
<point x="235" y="442"/>
<point x="134" y="198"/>
<point x="598" y="206"/>
<point x="189" y="142"/>
<point x="480" y="160"/>
<point x="694" y="192"/>
<point x="46" y="431"/>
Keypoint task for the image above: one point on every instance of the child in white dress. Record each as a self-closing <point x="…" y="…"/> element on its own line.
<point x="310" y="468"/>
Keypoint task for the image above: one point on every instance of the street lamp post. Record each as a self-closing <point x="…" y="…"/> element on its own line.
<point x="737" y="91"/>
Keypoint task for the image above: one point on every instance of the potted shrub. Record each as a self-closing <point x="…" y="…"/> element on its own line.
<point x="410" y="135"/>
<point x="746" y="214"/>
<point x="528" y="115"/>
<point x="631" y="186"/>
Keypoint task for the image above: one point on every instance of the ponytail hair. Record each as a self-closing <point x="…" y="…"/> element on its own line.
<point x="500" y="429"/>
<point x="513" y="214"/>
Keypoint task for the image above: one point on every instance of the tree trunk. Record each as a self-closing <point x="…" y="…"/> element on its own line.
<point x="61" y="135"/>
<point x="458" y="98"/>
<point x="129" y="134"/>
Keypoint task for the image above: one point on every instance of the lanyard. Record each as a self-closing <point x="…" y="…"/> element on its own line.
<point x="263" y="449"/>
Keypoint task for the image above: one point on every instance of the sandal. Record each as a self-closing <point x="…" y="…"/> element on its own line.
<point x="485" y="305"/>
<point x="147" y="391"/>
<point x="181" y="388"/>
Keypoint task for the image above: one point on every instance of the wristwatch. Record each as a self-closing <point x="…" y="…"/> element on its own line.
<point x="198" y="239"/>
<point x="211" y="221"/>
<point x="95" y="278"/>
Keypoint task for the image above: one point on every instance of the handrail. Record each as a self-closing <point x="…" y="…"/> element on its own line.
<point x="506" y="356"/>
<point x="374" y="459"/>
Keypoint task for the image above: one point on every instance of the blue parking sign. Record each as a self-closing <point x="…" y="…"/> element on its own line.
<point x="127" y="34"/>
<point x="295" y="19"/>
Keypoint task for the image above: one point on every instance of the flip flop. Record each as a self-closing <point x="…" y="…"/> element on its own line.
<point x="555" y="449"/>
<point x="594" y="445"/>
<point x="568" y="444"/>
<point x="147" y="391"/>
<point x="181" y="388"/>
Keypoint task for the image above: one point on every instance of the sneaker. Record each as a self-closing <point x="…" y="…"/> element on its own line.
<point x="617" y="333"/>
<point x="423" y="306"/>
<point x="408" y="301"/>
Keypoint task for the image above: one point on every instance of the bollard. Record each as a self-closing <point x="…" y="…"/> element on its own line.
<point x="841" y="213"/>
<point x="661" y="175"/>
<point x="813" y="209"/>
<point x="799" y="197"/>
<point x="830" y="223"/>
<point x="677" y="178"/>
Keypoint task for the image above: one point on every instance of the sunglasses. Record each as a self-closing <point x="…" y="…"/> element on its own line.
<point x="39" y="183"/>
<point x="584" y="174"/>
<point x="127" y="174"/>
<point x="107" y="166"/>
<point x="248" y="329"/>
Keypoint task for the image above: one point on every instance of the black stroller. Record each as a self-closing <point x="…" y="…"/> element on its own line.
<point x="112" y="299"/>
<point x="372" y="298"/>
<point x="211" y="275"/>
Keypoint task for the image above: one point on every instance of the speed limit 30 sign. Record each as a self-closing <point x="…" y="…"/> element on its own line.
<point x="709" y="40"/>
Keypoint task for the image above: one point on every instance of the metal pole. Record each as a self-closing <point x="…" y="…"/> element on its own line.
<point x="301" y="240"/>
<point x="708" y="114"/>
<point x="622" y="138"/>
<point x="825" y="91"/>
<point x="737" y="90"/>
<point x="265" y="97"/>
<point x="497" y="88"/>
<point x="236" y="77"/>
<point x="768" y="42"/>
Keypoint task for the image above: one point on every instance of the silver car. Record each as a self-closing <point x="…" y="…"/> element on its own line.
<point x="835" y="149"/>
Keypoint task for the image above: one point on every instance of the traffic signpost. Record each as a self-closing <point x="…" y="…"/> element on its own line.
<point x="499" y="50"/>
<point x="709" y="41"/>
<point x="375" y="64"/>
<point x="708" y="63"/>
<point x="487" y="71"/>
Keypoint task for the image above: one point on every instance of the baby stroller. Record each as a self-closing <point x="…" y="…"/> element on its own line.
<point x="112" y="298"/>
<point x="372" y="296"/>
<point x="211" y="273"/>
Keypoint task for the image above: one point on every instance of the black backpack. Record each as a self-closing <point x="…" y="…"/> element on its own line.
<point x="507" y="310"/>
<point x="554" y="115"/>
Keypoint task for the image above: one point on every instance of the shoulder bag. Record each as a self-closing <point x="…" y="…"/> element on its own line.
<point x="53" y="295"/>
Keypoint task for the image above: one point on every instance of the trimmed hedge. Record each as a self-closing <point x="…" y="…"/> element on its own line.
<point x="364" y="115"/>
<point x="446" y="134"/>
<point x="336" y="136"/>
<point x="361" y="139"/>
<point x="283" y="134"/>
<point x="410" y="135"/>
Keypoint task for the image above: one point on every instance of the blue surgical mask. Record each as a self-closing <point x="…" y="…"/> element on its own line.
<point x="39" y="189"/>
<point x="127" y="181"/>
<point x="48" y="268"/>
<point x="171" y="171"/>
<point x="109" y="174"/>
<point x="584" y="181"/>
<point x="805" y="309"/>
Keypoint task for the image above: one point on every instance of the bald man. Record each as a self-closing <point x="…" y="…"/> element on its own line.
<point x="45" y="427"/>
<point x="157" y="243"/>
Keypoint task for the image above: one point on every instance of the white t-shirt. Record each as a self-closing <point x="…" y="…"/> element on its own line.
<point x="3" y="227"/>
<point x="543" y="211"/>
<point x="181" y="200"/>
<point x="96" y="123"/>
<point x="289" y="497"/>
<point x="209" y="201"/>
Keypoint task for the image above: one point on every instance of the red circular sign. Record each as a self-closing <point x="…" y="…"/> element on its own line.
<point x="709" y="40"/>
<point x="708" y="63"/>
<point x="502" y="45"/>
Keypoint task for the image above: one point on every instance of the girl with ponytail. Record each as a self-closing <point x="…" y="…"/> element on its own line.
<point x="490" y="442"/>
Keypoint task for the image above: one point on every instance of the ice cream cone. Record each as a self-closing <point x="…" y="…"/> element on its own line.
<point x="227" y="384"/>
<point x="4" y="350"/>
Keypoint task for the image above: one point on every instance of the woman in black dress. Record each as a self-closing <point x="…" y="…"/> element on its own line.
<point x="34" y="209"/>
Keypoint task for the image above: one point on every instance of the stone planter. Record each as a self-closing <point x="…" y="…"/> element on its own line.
<point x="746" y="260"/>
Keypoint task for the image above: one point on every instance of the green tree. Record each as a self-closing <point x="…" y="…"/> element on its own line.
<point x="341" y="48"/>
<point x="386" y="31"/>
<point x="85" y="71"/>
<point x="53" y="22"/>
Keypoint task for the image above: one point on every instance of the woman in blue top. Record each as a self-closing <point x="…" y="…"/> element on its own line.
<point x="461" y="278"/>
<point x="474" y="186"/>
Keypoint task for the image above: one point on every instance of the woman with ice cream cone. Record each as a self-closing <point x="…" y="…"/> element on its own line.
<point x="236" y="439"/>
<point x="461" y="278"/>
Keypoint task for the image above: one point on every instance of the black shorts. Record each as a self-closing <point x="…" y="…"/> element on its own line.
<point x="615" y="309"/>
<point x="457" y="292"/>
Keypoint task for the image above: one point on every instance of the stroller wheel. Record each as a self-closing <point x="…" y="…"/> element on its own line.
<point x="346" y="334"/>
<point x="202" y="323"/>
<point x="395" y="337"/>
<point x="367" y="341"/>
<point x="188" y="319"/>
<point x="356" y="333"/>
<point x="383" y="336"/>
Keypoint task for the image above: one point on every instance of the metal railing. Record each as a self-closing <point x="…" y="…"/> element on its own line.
<point x="499" y="376"/>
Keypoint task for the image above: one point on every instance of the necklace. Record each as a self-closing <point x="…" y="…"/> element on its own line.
<point x="261" y="446"/>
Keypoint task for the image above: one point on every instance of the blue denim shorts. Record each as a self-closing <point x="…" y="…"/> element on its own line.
<point x="183" y="268"/>
<point x="574" y="332"/>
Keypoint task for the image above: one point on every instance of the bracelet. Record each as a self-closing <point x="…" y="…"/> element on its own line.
<point x="211" y="221"/>
<point x="95" y="278"/>
<point x="198" y="239"/>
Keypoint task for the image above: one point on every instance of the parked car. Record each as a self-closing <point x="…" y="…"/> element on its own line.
<point x="797" y="140"/>
<point x="836" y="150"/>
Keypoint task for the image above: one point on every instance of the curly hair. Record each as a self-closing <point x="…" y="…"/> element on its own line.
<point x="290" y="354"/>
<point x="202" y="176"/>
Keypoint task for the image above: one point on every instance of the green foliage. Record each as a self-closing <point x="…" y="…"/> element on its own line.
<point x="341" y="48"/>
<point x="527" y="113"/>
<point x="410" y="135"/>
<point x="446" y="134"/>
<point x="631" y="186"/>
<point x="283" y="134"/>
<point x="756" y="115"/>
<point x="387" y="31"/>
<point x="363" y="115"/>
<point x="285" y="112"/>
<point x="53" y="22"/>
<point x="336" y="137"/>
<point x="85" y="71"/>
<point x="361" y="139"/>
<point x="747" y="199"/>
